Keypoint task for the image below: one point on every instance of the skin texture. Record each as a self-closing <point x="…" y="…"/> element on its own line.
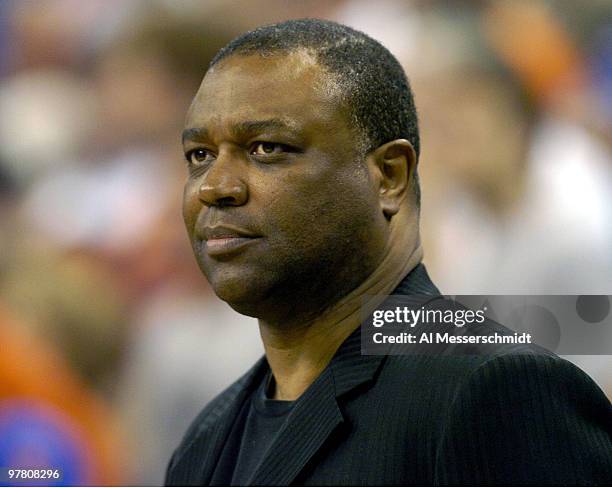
<point x="272" y="154"/>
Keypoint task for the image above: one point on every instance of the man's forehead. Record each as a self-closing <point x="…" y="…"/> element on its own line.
<point x="291" y="64"/>
<point x="280" y="86"/>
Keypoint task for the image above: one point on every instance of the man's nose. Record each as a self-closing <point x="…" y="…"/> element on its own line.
<point x="223" y="185"/>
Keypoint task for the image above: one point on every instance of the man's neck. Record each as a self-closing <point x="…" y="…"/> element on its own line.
<point x="298" y="355"/>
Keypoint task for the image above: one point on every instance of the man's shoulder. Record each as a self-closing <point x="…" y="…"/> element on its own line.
<point x="522" y="405"/>
<point x="518" y="381"/>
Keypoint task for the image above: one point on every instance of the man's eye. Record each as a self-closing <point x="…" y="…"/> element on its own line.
<point x="198" y="156"/>
<point x="267" y="148"/>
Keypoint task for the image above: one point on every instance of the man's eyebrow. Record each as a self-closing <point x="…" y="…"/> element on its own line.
<point x="241" y="129"/>
<point x="194" y="134"/>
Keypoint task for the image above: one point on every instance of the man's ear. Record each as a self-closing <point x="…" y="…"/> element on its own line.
<point x="394" y="164"/>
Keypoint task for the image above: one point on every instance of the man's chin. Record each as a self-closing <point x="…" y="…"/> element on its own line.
<point x="242" y="293"/>
<point x="244" y="305"/>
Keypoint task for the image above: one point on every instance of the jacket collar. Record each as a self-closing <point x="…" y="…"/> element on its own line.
<point x="350" y="368"/>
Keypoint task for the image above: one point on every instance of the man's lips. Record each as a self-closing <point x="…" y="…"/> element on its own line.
<point x="225" y="239"/>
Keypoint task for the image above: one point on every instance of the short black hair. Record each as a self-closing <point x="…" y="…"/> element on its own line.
<point x="372" y="80"/>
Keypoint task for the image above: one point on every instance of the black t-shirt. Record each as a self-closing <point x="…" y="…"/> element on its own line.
<point x="257" y="425"/>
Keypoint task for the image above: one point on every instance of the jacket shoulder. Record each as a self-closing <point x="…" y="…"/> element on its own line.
<point x="538" y="410"/>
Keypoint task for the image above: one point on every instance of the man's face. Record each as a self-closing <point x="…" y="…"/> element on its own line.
<point x="280" y="207"/>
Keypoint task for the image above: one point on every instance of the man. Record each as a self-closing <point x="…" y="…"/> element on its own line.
<point x="302" y="198"/>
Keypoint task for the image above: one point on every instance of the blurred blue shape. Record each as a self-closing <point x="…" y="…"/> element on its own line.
<point x="35" y="435"/>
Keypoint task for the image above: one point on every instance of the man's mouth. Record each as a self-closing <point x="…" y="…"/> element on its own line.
<point x="226" y="245"/>
<point x="225" y="239"/>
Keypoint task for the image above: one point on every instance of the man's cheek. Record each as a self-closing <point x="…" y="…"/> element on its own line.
<point x="191" y="207"/>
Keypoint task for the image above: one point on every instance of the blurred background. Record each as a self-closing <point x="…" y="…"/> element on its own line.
<point x="111" y="341"/>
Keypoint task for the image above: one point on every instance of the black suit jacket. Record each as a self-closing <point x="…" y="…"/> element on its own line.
<point x="519" y="416"/>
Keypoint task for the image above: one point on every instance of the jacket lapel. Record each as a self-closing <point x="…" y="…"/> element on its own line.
<point x="315" y="415"/>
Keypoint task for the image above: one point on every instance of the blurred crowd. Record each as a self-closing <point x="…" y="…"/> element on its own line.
<point x="110" y="339"/>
